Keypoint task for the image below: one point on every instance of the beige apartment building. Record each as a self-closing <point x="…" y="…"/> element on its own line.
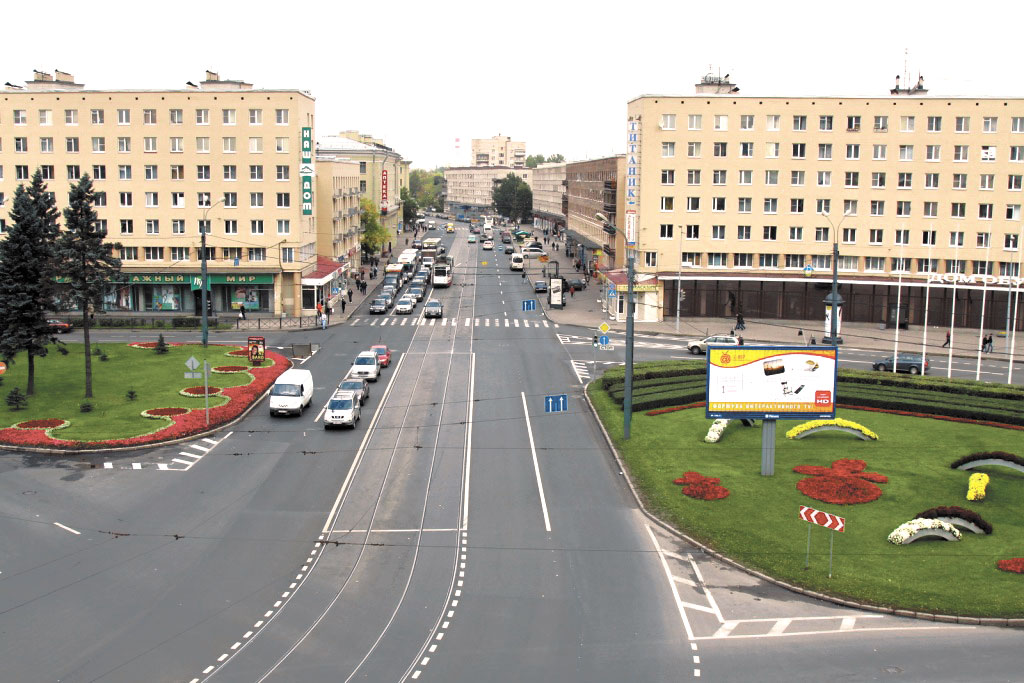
<point x="337" y="220"/>
<point x="220" y="156"/>
<point x="550" y="202"/>
<point x="469" y="189"/>
<point x="500" y="150"/>
<point x="382" y="173"/>
<point x="595" y="186"/>
<point x="741" y="198"/>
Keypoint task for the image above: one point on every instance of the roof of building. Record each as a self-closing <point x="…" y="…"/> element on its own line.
<point x="338" y="143"/>
<point x="325" y="267"/>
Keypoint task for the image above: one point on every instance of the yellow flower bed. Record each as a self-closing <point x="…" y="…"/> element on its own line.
<point x="838" y="422"/>
<point x="976" y="486"/>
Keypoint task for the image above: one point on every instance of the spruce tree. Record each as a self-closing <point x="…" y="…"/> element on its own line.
<point x="86" y="259"/>
<point x="27" y="260"/>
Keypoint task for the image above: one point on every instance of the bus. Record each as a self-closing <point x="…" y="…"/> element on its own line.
<point x="442" y="272"/>
<point x="432" y="243"/>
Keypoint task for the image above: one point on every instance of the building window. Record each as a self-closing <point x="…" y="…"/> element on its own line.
<point x="129" y="253"/>
<point x="988" y="153"/>
<point x="665" y="231"/>
<point x="693" y="176"/>
<point x="874" y="264"/>
<point x="744" y="205"/>
<point x="881" y="124"/>
<point x="176" y="117"/>
<point x="848" y="263"/>
<point x="903" y="237"/>
<point x="852" y="179"/>
<point x="1013" y="212"/>
<point x="284" y="200"/>
<point x="796" y="178"/>
<point x="99" y="145"/>
<point x="46" y="145"/>
<point x="287" y="254"/>
<point x="179" y="253"/>
<point x="1013" y="182"/>
<point x="230" y="172"/>
<point x="255" y="200"/>
<point x="71" y="145"/>
<point x="906" y="124"/>
<point x="960" y="153"/>
<point x="1017" y="153"/>
<point x="746" y="121"/>
<point x="875" y="236"/>
<point x="849" y="207"/>
<point x="718" y="232"/>
<point x="824" y="152"/>
<point x="281" y="117"/>
<point x="203" y="172"/>
<point x="823" y="206"/>
<point x="821" y="261"/>
<point x="931" y="209"/>
<point x="771" y="150"/>
<point x="720" y="149"/>
<point x="230" y="200"/>
<point x="281" y="144"/>
<point x="743" y="260"/>
<point x="124" y="172"/>
<point x="255" y="117"/>
<point x="203" y="200"/>
<point x="982" y="267"/>
<point x="692" y="204"/>
<point x="152" y="200"/>
<point x="125" y="199"/>
<point x="228" y="145"/>
<point x="692" y="232"/>
<point x="668" y="150"/>
<point x="231" y="253"/>
<point x="987" y="181"/>
<point x="878" y="152"/>
<point x="651" y="259"/>
<point x="906" y="152"/>
<point x="959" y="181"/>
<point x="228" y="117"/>
<point x="74" y="173"/>
<point x="177" y="145"/>
<point x="768" y="260"/>
<point x="989" y="124"/>
<point x="1017" y="124"/>
<point x="771" y="177"/>
<point x="928" y="238"/>
<point x="283" y="172"/>
<point x="202" y="117"/>
<point x="100" y="199"/>
<point x="257" y="254"/>
<point x="1009" y="268"/>
<point x="693" y="121"/>
<point x="799" y="150"/>
<point x="958" y="210"/>
<point x="853" y="152"/>
<point x="256" y="226"/>
<point x="824" y="178"/>
<point x="769" y="233"/>
<point x="771" y="205"/>
<point x="231" y="227"/>
<point x="984" y="239"/>
<point x="746" y="149"/>
<point x="877" y="180"/>
<point x="849" y="235"/>
<point x="255" y="172"/>
<point x="178" y="200"/>
<point x="124" y="117"/>
<point x="985" y="211"/>
<point x="794" y="261"/>
<point x="127" y="226"/>
<point x="796" y="205"/>
<point x="668" y="121"/>
<point x="284" y="226"/>
<point x="203" y="145"/>
<point x="256" y="145"/>
<point x="903" y="208"/>
<point x="824" y="122"/>
<point x="743" y="232"/>
<point x="934" y="124"/>
<point x="99" y="172"/>
<point x="718" y="260"/>
<point x="931" y="181"/>
<point x="799" y="123"/>
<point x="821" y="234"/>
<point x="668" y="176"/>
<point x="904" y="180"/>
<point x="796" y="233"/>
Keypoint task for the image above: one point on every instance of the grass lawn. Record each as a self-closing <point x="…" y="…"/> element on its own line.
<point x="757" y="523"/>
<point x="156" y="379"/>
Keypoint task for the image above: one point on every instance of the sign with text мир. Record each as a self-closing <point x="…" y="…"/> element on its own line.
<point x="307" y="172"/>
<point x="771" y="382"/>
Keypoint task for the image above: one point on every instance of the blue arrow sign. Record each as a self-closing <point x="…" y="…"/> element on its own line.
<point x="558" y="403"/>
<point x="530" y="305"/>
<point x="603" y="340"/>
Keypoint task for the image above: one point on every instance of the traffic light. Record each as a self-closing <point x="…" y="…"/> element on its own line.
<point x="595" y="340"/>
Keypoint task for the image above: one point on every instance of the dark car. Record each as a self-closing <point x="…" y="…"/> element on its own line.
<point x="540" y="286"/>
<point x="576" y="283"/>
<point x="59" y="326"/>
<point x="906" y="362"/>
<point x="379" y="305"/>
<point x="433" y="309"/>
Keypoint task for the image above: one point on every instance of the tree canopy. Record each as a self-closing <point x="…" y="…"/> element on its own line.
<point x="534" y="160"/>
<point x="374" y="234"/>
<point x="513" y="198"/>
<point x="409" y="208"/>
<point x="425" y="187"/>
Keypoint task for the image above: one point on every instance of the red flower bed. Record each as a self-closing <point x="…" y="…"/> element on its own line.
<point x="845" y="483"/>
<point x="200" y="391"/>
<point x="164" y="412"/>
<point x="243" y="353"/>
<point x="192" y="422"/>
<point x="40" y="424"/>
<point x="662" y="411"/>
<point x="231" y="368"/>
<point x="1015" y="565"/>
<point x="696" y="485"/>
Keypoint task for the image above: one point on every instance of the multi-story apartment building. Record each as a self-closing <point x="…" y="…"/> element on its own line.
<point x="469" y="189"/>
<point x="337" y="220"/>
<point x="745" y="196"/>
<point x="382" y="172"/>
<point x="550" y="203"/>
<point x="592" y="187"/>
<point x="220" y="157"/>
<point x="500" y="150"/>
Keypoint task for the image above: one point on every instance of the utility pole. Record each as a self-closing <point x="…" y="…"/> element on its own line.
<point x="203" y="229"/>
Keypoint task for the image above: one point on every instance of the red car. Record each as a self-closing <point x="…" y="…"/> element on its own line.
<point x="59" y="326"/>
<point x="383" y="354"/>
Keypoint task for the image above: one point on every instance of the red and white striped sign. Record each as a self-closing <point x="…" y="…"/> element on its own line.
<point x="825" y="519"/>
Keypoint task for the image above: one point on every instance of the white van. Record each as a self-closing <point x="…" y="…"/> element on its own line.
<point x="515" y="262"/>
<point x="292" y="392"/>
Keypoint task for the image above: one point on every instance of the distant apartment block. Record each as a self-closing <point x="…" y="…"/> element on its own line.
<point x="499" y="151"/>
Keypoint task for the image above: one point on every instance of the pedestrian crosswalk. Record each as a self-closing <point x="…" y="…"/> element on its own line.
<point x="409" y="321"/>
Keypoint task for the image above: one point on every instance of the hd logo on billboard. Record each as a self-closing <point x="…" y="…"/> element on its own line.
<point x="307" y="171"/>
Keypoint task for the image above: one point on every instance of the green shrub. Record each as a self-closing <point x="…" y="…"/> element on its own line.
<point x="16" y="399"/>
<point x="85" y="407"/>
<point x="186" y="322"/>
<point x="161" y="346"/>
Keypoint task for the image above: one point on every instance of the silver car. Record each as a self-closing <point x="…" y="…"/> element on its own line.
<point x="342" y="410"/>
<point x="357" y="386"/>
<point x="699" y="346"/>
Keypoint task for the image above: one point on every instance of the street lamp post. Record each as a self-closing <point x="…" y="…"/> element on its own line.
<point x="834" y="301"/>
<point x="202" y="253"/>
<point x="627" y="397"/>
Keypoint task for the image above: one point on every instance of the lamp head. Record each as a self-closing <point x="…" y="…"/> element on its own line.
<point x="601" y="217"/>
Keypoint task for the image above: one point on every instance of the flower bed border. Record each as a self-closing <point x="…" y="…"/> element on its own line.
<point x="958" y="516"/>
<point x="1014" y="565"/>
<point x="922" y="528"/>
<point x="62" y="425"/>
<point x="836" y="425"/>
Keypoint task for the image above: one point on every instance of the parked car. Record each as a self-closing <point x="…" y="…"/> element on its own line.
<point x="576" y="283"/>
<point x="405" y="306"/>
<point x="699" y="346"/>
<point x="360" y="387"/>
<point x="59" y="326"/>
<point x="533" y="252"/>
<point x="365" y="365"/>
<point x="417" y="244"/>
<point x="433" y="309"/>
<point x="905" y="362"/>
<point x="379" y="305"/>
<point x="342" y="410"/>
<point x="383" y="354"/>
<point x="540" y="286"/>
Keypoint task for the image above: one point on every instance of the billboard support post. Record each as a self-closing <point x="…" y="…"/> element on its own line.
<point x="807" y="560"/>
<point x="767" y="448"/>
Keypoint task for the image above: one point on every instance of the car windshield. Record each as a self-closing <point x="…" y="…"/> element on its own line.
<point x="379" y="302"/>
<point x="340" y="404"/>
<point x="434" y="304"/>
<point x="381" y="351"/>
<point x="286" y="390"/>
<point x="352" y="386"/>
<point x="366" y="360"/>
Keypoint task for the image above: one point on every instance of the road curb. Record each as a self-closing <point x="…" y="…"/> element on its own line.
<point x="926" y="616"/>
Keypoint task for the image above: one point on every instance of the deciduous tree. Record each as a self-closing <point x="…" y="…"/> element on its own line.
<point x="374" y="234"/>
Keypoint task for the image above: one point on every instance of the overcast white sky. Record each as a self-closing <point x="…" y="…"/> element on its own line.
<point x="554" y="74"/>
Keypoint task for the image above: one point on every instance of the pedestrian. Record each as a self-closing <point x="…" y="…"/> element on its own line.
<point x="946" y="343"/>
<point x="986" y="345"/>
<point x="741" y="341"/>
<point x="740" y="324"/>
<point x="319" y="310"/>
<point x="241" y="312"/>
<point x="323" y="321"/>
<point x="350" y="295"/>
<point x="572" y="291"/>
<point x="524" y="273"/>
<point x="342" y="305"/>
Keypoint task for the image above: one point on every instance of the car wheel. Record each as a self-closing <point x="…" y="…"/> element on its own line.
<point x="881" y="367"/>
<point x="914" y="370"/>
<point x="695" y="350"/>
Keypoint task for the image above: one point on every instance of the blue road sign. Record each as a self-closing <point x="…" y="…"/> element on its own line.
<point x="530" y="305"/>
<point x="603" y="340"/>
<point x="611" y="292"/>
<point x="559" y="403"/>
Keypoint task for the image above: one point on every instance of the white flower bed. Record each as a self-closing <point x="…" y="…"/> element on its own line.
<point x="912" y="530"/>
<point x="715" y="433"/>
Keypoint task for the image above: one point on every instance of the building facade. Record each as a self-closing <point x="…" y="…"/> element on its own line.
<point x="741" y="199"/>
<point x="500" y="150"/>
<point x="337" y="220"/>
<point x="550" y="202"/>
<point x="469" y="189"/>
<point x="592" y="187"/>
<point x="221" y="157"/>
<point x="382" y="173"/>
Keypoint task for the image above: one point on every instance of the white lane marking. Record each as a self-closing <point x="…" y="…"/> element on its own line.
<point x="432" y="321"/>
<point x="847" y="623"/>
<point x="469" y="444"/>
<point x="700" y="608"/>
<point x="196" y="446"/>
<point x="189" y="455"/>
<point x="536" y="465"/>
<point x="444" y="322"/>
<point x="162" y="466"/>
<point x="517" y="322"/>
<point x="386" y="531"/>
<point x="545" y="323"/>
<point x="210" y="441"/>
<point x="835" y="630"/>
<point x="487" y="322"/>
<point x="467" y="322"/>
<point x="580" y="368"/>
<point x="672" y="584"/>
<point x="707" y="593"/>
<point x="183" y="462"/>
<point x="506" y="323"/>
<point x="687" y="582"/>
<point x="136" y="465"/>
<point x="780" y="627"/>
<point x="68" y="529"/>
<point x="108" y="465"/>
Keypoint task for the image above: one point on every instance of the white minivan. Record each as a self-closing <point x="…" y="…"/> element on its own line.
<point x="292" y="392"/>
<point x="515" y="262"/>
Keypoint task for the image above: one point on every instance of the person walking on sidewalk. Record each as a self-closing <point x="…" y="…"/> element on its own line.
<point x="740" y="324"/>
<point x="343" y="305"/>
<point x="572" y="292"/>
<point x="946" y="343"/>
<point x="350" y="295"/>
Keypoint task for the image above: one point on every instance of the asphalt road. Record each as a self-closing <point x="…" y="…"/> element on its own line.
<point x="459" y="533"/>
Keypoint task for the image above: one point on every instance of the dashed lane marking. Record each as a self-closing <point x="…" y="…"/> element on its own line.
<point x="176" y="464"/>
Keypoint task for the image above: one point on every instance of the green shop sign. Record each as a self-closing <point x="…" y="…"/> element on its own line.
<point x="195" y="281"/>
<point x="306" y="171"/>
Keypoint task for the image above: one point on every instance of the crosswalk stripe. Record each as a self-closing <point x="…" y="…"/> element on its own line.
<point x="403" y="321"/>
<point x="506" y="322"/>
<point x="468" y="319"/>
<point x="432" y="322"/>
<point x="517" y="322"/>
<point x="487" y="322"/>
<point x="545" y="323"/>
<point x="444" y="321"/>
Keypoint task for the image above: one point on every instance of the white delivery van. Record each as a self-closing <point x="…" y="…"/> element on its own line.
<point x="292" y="392"/>
<point x="515" y="262"/>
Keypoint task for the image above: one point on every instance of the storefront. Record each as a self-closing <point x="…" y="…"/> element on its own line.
<point x="323" y="284"/>
<point x="181" y="293"/>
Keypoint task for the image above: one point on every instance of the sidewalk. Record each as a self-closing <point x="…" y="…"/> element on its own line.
<point x="584" y="309"/>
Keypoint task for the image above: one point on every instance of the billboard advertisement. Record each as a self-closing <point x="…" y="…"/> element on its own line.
<point x="771" y="382"/>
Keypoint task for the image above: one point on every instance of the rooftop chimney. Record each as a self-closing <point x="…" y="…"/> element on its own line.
<point x="214" y="82"/>
<point x="42" y="81"/>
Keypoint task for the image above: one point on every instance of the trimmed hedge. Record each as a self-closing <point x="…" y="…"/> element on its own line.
<point x="654" y="369"/>
<point x="991" y="455"/>
<point x="961" y="387"/>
